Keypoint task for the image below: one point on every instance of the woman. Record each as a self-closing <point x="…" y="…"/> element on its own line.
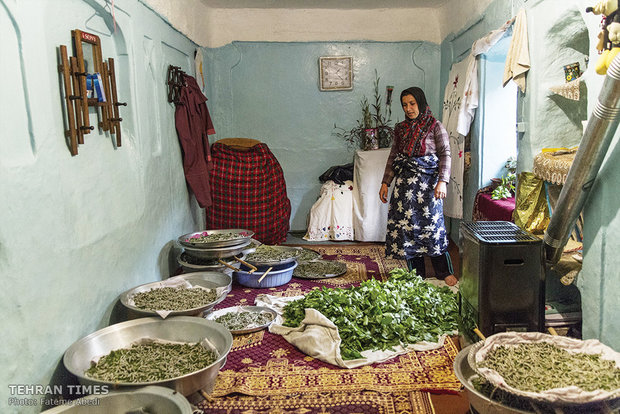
<point x="420" y="163"/>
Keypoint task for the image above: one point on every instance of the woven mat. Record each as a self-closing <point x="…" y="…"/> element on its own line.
<point x="367" y="402"/>
<point x="269" y="371"/>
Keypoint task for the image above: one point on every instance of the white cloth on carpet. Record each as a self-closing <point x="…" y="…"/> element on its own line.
<point x="331" y="216"/>
<point x="318" y="337"/>
<point x="518" y="58"/>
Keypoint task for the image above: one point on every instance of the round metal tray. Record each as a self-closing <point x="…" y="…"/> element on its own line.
<point x="78" y="357"/>
<point x="291" y="250"/>
<point x="219" y="252"/>
<point x="308" y="255"/>
<point x="221" y="312"/>
<point x="242" y="236"/>
<point x="340" y="267"/>
<point x="209" y="280"/>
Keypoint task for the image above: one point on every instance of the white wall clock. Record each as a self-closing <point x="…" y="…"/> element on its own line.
<point x="336" y="73"/>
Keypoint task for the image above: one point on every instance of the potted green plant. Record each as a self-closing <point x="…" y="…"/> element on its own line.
<point x="506" y="187"/>
<point x="373" y="130"/>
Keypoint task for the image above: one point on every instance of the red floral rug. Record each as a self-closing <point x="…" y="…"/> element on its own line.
<point x="264" y="371"/>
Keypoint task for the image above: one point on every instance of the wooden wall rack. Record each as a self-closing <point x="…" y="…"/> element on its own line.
<point x="75" y="70"/>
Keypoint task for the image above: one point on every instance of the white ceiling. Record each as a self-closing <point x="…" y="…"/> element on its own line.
<point x="323" y="4"/>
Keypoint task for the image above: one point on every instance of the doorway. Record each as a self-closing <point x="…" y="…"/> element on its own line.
<point x="498" y="110"/>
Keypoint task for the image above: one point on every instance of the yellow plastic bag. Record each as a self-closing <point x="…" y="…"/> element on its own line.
<point x="531" y="211"/>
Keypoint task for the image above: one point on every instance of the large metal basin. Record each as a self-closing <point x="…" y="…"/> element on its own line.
<point x="484" y="405"/>
<point x="209" y="280"/>
<point x="152" y="399"/>
<point x="78" y="357"/>
<point x="477" y="400"/>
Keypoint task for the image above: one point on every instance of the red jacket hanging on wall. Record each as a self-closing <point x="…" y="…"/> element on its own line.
<point x="193" y="124"/>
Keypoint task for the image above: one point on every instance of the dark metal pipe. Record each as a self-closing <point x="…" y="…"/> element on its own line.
<point x="601" y="128"/>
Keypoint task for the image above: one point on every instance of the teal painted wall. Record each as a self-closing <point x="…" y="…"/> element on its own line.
<point x="270" y="91"/>
<point x="75" y="232"/>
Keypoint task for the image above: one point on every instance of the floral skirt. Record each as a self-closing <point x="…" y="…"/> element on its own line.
<point x="415" y="224"/>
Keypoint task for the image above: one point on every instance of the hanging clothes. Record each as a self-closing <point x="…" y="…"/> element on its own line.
<point x="471" y="92"/>
<point x="518" y="58"/>
<point x="193" y="124"/>
<point x="452" y="105"/>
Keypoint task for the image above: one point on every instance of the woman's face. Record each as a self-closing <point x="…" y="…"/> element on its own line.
<point x="410" y="107"/>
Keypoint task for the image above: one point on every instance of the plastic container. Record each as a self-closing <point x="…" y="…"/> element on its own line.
<point x="278" y="276"/>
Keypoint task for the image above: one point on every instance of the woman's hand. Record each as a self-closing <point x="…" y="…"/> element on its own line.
<point x="440" y="190"/>
<point x="383" y="193"/>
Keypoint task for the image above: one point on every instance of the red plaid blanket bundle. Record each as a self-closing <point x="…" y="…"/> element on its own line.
<point x="248" y="192"/>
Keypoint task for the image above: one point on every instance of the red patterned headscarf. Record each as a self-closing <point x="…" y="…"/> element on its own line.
<point x="413" y="131"/>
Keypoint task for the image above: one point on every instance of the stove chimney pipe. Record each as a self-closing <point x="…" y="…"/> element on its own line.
<point x="601" y="128"/>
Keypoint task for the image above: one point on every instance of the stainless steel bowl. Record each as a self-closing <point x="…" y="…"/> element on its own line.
<point x="152" y="399"/>
<point x="209" y="280"/>
<point x="481" y="403"/>
<point x="257" y="309"/>
<point x="241" y="236"/>
<point x="218" y="252"/>
<point x="216" y="267"/>
<point x="78" y="357"/>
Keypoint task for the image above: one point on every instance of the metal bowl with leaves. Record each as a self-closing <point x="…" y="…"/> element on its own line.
<point x="243" y="319"/>
<point x="207" y="239"/>
<point x="80" y="356"/>
<point x="541" y="372"/>
<point x="221" y="283"/>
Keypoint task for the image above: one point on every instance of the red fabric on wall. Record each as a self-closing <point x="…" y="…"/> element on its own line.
<point x="249" y="192"/>
<point x="193" y="124"/>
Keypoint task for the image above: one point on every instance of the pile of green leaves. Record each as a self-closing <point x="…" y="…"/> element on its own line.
<point x="381" y="315"/>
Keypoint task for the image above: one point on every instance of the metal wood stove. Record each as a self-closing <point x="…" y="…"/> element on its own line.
<point x="502" y="280"/>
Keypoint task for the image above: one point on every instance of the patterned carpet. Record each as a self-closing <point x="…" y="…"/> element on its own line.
<point x="264" y="373"/>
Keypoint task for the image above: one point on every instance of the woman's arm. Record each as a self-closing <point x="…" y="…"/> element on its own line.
<point x="442" y="148"/>
<point x="388" y="173"/>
